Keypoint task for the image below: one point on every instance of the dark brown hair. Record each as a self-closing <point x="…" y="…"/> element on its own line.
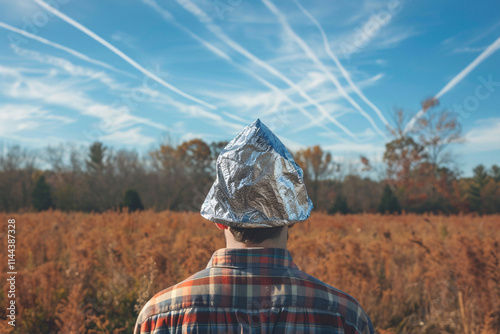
<point x="255" y="235"/>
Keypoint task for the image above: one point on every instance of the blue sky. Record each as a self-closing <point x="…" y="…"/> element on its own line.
<point x="133" y="73"/>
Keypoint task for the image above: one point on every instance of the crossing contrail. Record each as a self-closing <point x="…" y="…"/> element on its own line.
<point x="169" y="18"/>
<point x="288" y="29"/>
<point x="61" y="47"/>
<point x="459" y="77"/>
<point x="122" y="55"/>
<point x="344" y="72"/>
<point x="208" y="22"/>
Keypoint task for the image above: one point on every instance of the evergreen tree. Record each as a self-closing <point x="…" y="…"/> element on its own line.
<point x="495" y="173"/>
<point x="96" y="154"/>
<point x="340" y="206"/>
<point x="132" y="201"/>
<point x="389" y="202"/>
<point x="41" y="197"/>
<point x="479" y="179"/>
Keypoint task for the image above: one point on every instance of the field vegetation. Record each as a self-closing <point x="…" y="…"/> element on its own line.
<point x="93" y="272"/>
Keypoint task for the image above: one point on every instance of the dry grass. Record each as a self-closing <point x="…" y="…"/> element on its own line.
<point x="91" y="273"/>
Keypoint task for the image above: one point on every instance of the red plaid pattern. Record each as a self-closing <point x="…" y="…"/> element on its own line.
<point x="252" y="290"/>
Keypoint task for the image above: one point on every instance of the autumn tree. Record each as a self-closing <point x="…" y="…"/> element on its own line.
<point x="316" y="165"/>
<point x="67" y="175"/>
<point x="216" y="149"/>
<point x="186" y="170"/>
<point x="362" y="193"/>
<point x="437" y="130"/>
<point x="17" y="165"/>
<point x="402" y="154"/>
<point x="417" y="155"/>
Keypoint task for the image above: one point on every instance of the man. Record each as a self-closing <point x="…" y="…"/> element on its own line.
<point x="252" y="285"/>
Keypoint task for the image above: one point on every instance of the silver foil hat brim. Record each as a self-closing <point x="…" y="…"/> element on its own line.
<point x="258" y="184"/>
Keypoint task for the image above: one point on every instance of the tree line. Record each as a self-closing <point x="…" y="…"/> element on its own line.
<point x="416" y="175"/>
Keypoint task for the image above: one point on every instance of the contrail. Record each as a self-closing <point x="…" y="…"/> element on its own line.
<point x="453" y="82"/>
<point x="121" y="54"/>
<point x="344" y="72"/>
<point x="284" y="96"/>
<point x="169" y="18"/>
<point x="318" y="62"/>
<point x="207" y="21"/>
<point x="62" y="47"/>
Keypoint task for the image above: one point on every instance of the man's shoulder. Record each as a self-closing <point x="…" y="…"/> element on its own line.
<point x="336" y="301"/>
<point x="175" y="296"/>
<point x="325" y="289"/>
<point x="308" y="292"/>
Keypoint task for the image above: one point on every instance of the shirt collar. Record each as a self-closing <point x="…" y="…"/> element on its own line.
<point x="251" y="258"/>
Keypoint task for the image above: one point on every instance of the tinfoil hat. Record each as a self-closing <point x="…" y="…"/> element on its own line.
<point x="258" y="184"/>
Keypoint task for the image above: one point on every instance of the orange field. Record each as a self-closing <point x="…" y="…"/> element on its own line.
<point x="91" y="273"/>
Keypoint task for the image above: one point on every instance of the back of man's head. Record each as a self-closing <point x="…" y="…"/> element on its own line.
<point x="252" y="236"/>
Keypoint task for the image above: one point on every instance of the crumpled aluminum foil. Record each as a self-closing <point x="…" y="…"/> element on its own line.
<point x="258" y="183"/>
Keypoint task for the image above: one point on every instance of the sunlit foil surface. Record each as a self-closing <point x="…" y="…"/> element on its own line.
<point x="258" y="183"/>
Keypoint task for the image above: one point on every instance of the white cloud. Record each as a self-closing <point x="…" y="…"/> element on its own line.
<point x="131" y="136"/>
<point x="393" y="38"/>
<point x="198" y="135"/>
<point x="124" y="38"/>
<point x="68" y="94"/>
<point x="468" y="49"/>
<point x="236" y="117"/>
<point x="49" y="91"/>
<point x="16" y="118"/>
<point x="484" y="137"/>
<point x="292" y="145"/>
<point x="192" y="111"/>
<point x="354" y="148"/>
<point x="70" y="68"/>
<point x="18" y="9"/>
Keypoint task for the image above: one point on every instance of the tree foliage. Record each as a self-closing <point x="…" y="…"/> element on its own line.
<point x="316" y="165"/>
<point x="41" y="196"/>
<point x="419" y="160"/>
<point x="417" y="165"/>
<point x="339" y="206"/>
<point x="389" y="202"/>
<point x="132" y="201"/>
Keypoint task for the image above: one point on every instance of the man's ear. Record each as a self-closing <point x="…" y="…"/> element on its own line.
<point x="221" y="227"/>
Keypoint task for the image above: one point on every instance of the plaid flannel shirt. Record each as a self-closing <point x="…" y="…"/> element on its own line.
<point x="252" y="290"/>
